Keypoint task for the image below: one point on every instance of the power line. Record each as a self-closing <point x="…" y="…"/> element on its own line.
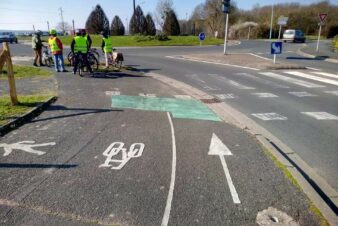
<point x="26" y="10"/>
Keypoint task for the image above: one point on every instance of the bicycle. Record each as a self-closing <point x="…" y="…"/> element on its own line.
<point x="93" y="56"/>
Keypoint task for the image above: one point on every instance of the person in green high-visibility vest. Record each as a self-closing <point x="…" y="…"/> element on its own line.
<point x="56" y="48"/>
<point x="107" y="47"/>
<point x="80" y="46"/>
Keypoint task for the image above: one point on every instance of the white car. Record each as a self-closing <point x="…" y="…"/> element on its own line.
<point x="293" y="36"/>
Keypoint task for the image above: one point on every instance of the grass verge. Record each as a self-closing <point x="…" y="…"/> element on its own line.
<point x="9" y="112"/>
<point x="119" y="41"/>
<point x="21" y="71"/>
<point x="288" y="175"/>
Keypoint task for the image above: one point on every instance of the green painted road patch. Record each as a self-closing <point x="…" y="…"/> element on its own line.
<point x="180" y="108"/>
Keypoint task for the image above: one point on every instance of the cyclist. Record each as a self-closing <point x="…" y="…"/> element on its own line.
<point x="107" y="48"/>
<point x="56" y="48"/>
<point x="80" y="46"/>
<point x="88" y="38"/>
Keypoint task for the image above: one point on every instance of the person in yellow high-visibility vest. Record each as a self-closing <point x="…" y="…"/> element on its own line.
<point x="79" y="46"/>
<point x="56" y="48"/>
<point x="107" y="48"/>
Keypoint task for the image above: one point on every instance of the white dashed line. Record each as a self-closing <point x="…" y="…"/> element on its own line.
<point x="303" y="94"/>
<point x="321" y="115"/>
<point x="150" y="95"/>
<point x="314" y="69"/>
<point x="312" y="77"/>
<point x="183" y="97"/>
<point x="267" y="82"/>
<point x="291" y="80"/>
<point x="227" y="96"/>
<point x="332" y="92"/>
<point x="326" y="74"/>
<point x="265" y="95"/>
<point x="270" y="116"/>
<point x="113" y="93"/>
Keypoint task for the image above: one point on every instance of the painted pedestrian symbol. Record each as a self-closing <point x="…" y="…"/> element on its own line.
<point x="26" y="146"/>
<point x="122" y="156"/>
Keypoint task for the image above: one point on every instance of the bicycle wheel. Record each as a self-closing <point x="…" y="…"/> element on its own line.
<point x="94" y="63"/>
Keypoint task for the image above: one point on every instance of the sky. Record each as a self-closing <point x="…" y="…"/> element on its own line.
<point x="22" y="14"/>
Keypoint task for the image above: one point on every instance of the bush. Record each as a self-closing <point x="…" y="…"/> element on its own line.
<point x="143" y="38"/>
<point x="335" y="43"/>
<point x="162" y="37"/>
<point x="332" y="31"/>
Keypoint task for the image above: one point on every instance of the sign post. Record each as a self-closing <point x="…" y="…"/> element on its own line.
<point x="322" y="18"/>
<point x="276" y="48"/>
<point x="201" y="37"/>
<point x="226" y="10"/>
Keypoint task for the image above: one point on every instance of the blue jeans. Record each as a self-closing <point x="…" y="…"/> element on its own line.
<point x="58" y="62"/>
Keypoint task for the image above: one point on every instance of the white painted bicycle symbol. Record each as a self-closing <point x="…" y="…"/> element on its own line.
<point x="122" y="155"/>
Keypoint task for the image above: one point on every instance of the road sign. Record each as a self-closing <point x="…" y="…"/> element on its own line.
<point x="322" y="17"/>
<point x="202" y="36"/>
<point x="283" y="20"/>
<point x="276" y="48"/>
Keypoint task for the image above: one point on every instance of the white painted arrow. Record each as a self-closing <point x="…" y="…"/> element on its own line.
<point x="217" y="147"/>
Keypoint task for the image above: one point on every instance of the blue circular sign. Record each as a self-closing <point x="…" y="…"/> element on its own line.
<point x="202" y="36"/>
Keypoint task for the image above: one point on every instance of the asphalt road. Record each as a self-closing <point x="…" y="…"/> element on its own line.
<point x="316" y="141"/>
<point x="70" y="184"/>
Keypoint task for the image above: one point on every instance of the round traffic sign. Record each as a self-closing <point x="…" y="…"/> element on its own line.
<point x="202" y="36"/>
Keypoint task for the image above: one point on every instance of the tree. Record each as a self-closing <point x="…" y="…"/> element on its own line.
<point x="60" y="26"/>
<point x="171" y="25"/>
<point x="151" y="28"/>
<point x="162" y="9"/>
<point x="117" y="27"/>
<point x="97" y="21"/>
<point x="138" y="23"/>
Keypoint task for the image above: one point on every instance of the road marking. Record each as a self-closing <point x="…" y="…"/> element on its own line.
<point x="270" y="116"/>
<point x="217" y="147"/>
<point x="326" y="74"/>
<point x="264" y="58"/>
<point x="315" y="78"/>
<point x="150" y="95"/>
<point x="265" y="95"/>
<point x="202" y="83"/>
<point x="234" y="83"/>
<point x="26" y="146"/>
<point x="208" y="62"/>
<point x="183" y="97"/>
<point x="321" y="115"/>
<point x="332" y="92"/>
<point x="291" y="80"/>
<point x="135" y="151"/>
<point x="267" y="82"/>
<point x="167" y="210"/>
<point x="312" y="68"/>
<point x="303" y="94"/>
<point x="113" y="93"/>
<point x="227" y="96"/>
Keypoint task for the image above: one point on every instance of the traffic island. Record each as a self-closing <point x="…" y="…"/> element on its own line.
<point x="241" y="60"/>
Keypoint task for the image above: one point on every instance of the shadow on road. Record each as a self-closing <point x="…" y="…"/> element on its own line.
<point x="83" y="111"/>
<point x="308" y="58"/>
<point x="36" y="166"/>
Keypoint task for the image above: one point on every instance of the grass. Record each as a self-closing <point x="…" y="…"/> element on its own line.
<point x="124" y="41"/>
<point x="9" y="112"/>
<point x="21" y="71"/>
<point x="289" y="176"/>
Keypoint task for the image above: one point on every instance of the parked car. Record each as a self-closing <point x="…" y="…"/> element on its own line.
<point x="8" y="37"/>
<point x="294" y="36"/>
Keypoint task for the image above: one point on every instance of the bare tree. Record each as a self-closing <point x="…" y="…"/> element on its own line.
<point x="64" y="25"/>
<point x="162" y="9"/>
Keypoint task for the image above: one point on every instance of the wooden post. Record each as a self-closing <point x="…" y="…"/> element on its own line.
<point x="11" y="79"/>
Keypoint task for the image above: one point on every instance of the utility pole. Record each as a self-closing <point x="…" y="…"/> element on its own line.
<point x="73" y="26"/>
<point x="127" y="27"/>
<point x="271" y="23"/>
<point x="226" y="10"/>
<point x="63" y="23"/>
<point x="48" y="25"/>
<point x="33" y="27"/>
<point x="134" y="5"/>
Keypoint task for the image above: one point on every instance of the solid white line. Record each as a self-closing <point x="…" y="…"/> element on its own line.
<point x="232" y="188"/>
<point x="312" y="68"/>
<point x="208" y="62"/>
<point x="264" y="58"/>
<point x="303" y="75"/>
<point x="167" y="210"/>
<point x="292" y="80"/>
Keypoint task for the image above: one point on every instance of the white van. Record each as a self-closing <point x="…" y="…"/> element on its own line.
<point x="293" y="36"/>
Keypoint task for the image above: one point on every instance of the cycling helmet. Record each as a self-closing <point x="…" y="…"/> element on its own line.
<point x="52" y="32"/>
